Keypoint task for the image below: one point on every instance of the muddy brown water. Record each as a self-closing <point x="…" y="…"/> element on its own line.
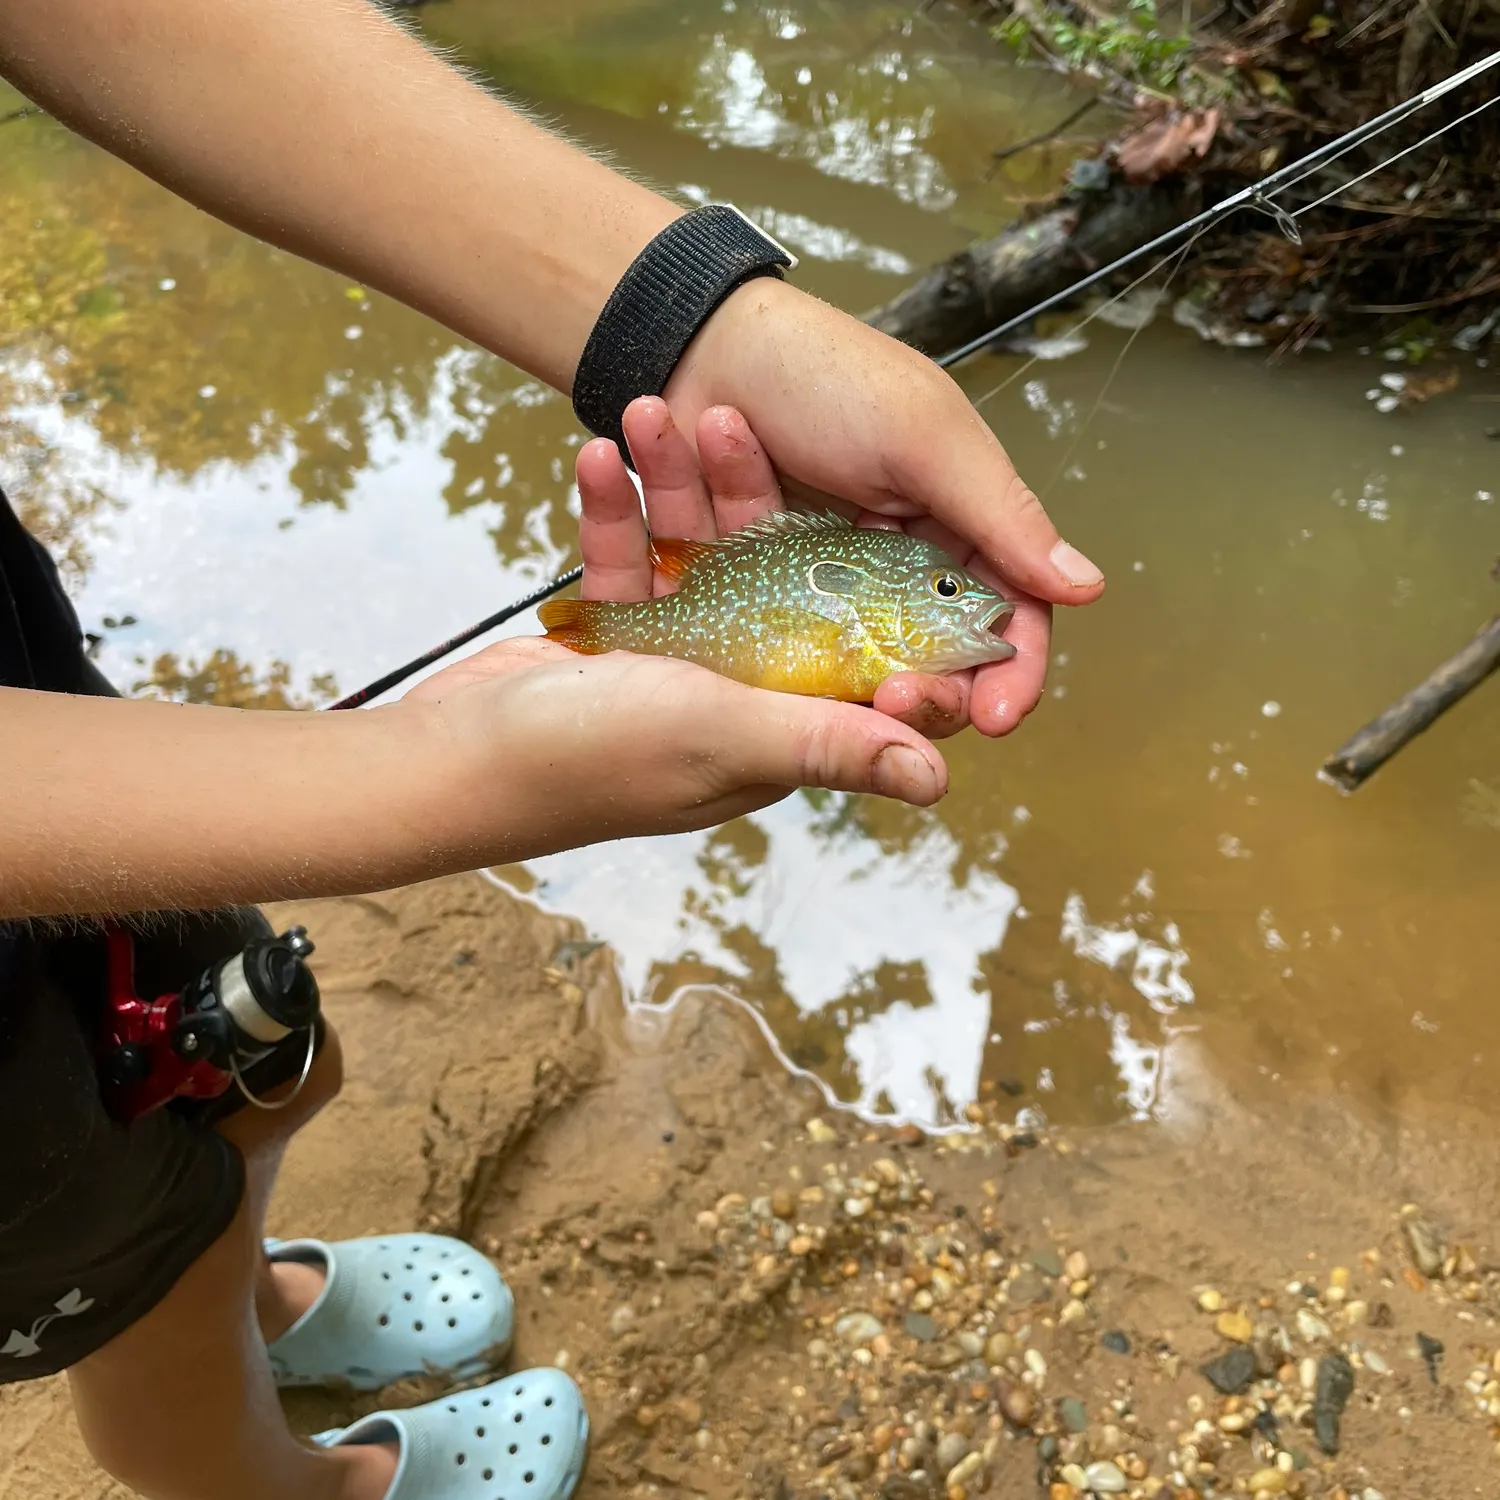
<point x="1141" y="905"/>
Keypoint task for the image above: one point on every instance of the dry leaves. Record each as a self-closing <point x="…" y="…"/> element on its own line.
<point x="1161" y="148"/>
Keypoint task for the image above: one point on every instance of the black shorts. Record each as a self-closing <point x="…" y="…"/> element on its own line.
<point x="97" y="1220"/>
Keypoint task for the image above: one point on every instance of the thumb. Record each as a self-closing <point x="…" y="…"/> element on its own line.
<point x="792" y="741"/>
<point x="969" y="483"/>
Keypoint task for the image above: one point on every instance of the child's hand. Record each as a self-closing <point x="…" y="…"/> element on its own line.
<point x="728" y="483"/>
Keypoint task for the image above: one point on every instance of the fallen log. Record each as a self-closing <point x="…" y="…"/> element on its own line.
<point x="1001" y="278"/>
<point x="1355" y="761"/>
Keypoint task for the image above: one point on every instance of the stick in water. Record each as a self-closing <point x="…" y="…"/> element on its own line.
<point x="1355" y="761"/>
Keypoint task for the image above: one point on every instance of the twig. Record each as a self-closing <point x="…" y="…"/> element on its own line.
<point x="1041" y="139"/>
<point x="1355" y="761"/>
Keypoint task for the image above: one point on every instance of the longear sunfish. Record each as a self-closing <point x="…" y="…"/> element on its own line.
<point x="801" y="603"/>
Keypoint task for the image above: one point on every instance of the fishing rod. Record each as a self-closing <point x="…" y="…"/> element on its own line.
<point x="1257" y="196"/>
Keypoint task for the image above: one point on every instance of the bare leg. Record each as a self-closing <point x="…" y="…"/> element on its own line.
<point x="182" y="1406"/>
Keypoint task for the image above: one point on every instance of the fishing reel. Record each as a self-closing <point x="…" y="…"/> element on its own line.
<point x="200" y="1041"/>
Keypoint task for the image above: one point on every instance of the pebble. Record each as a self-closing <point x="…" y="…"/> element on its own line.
<point x="783" y="1204"/>
<point x="952" y="1447"/>
<point x="1335" y="1385"/>
<point x="1047" y="1261"/>
<point x="1424" y="1240"/>
<point x="857" y="1329"/>
<point x="1311" y="1326"/>
<point x="800" y="1245"/>
<point x="1374" y="1362"/>
<point x="1105" y="1478"/>
<point x="998" y="1348"/>
<point x="1115" y="1341"/>
<point x="1235" y="1326"/>
<point x="622" y="1320"/>
<point x="1074" y="1477"/>
<point x="1028" y="1287"/>
<point x="857" y="1208"/>
<point x="886" y="1172"/>
<point x="963" y="1471"/>
<point x="1232" y="1372"/>
<point x="1035" y="1363"/>
<point x="1209" y="1300"/>
<point x="1017" y="1405"/>
<point x="1077" y="1266"/>
<point x="1073" y="1312"/>
<point x="921" y="1326"/>
<point x="1268" y="1482"/>
<point x="708" y="1221"/>
<point x="1073" y="1414"/>
<point x="820" y="1132"/>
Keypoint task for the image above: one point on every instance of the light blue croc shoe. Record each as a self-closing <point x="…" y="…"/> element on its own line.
<point x="394" y="1306"/>
<point x="522" y="1438"/>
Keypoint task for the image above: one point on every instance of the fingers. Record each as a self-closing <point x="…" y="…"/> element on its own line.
<point x="936" y="707"/>
<point x="612" y="529"/>
<point x="740" y="478"/>
<point x="1005" y="692"/>
<point x="781" y="740"/>
<point x="677" y="503"/>
<point x="968" y="483"/>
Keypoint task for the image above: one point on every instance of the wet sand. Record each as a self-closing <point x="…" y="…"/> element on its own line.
<point x="763" y="1298"/>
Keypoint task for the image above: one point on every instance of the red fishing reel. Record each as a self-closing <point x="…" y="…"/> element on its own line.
<point x="198" y="1042"/>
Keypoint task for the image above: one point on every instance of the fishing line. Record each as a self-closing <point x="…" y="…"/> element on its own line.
<point x="1257" y="195"/>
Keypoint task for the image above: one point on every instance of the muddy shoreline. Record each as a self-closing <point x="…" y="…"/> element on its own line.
<point x="762" y="1298"/>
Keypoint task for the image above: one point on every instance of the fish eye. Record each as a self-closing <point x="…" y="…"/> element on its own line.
<point x="946" y="585"/>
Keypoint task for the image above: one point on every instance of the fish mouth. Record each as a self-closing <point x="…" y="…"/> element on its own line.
<point x="994" y="621"/>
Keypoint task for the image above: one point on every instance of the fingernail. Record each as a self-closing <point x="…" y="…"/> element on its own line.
<point x="904" y="773"/>
<point x="1074" y="566"/>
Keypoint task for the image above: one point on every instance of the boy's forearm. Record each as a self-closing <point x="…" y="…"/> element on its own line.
<point x="322" y="126"/>
<point x="108" y="805"/>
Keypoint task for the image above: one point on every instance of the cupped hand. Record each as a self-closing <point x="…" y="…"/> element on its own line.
<point x="850" y="417"/>
<point x="549" y="750"/>
<point x="723" y="485"/>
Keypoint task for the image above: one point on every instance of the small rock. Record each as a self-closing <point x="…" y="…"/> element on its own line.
<point x="1267" y="1482"/>
<point x="1105" y="1478"/>
<point x="783" y="1204"/>
<point x="800" y="1245"/>
<point x="856" y="1329"/>
<point x="1035" y="1363"/>
<point x="1074" y="1476"/>
<point x="1017" y="1404"/>
<point x="1073" y="1311"/>
<point x="1073" y="1414"/>
<point x="1028" y="1287"/>
<point x="622" y="1320"/>
<point x="921" y="1326"/>
<point x="1047" y="1261"/>
<point x="1116" y="1341"/>
<point x="998" y="1348"/>
<point x="1077" y="1266"/>
<point x="952" y="1447"/>
<point x="1210" y="1301"/>
<point x="1424" y="1240"/>
<point x="1235" y="1326"/>
<point x="886" y="1172"/>
<point x="1232" y="1372"/>
<point x="819" y="1349"/>
<point x="1431" y="1350"/>
<point x="811" y="1196"/>
<point x="964" y="1470"/>
<point x="732" y="1208"/>
<point x="1356" y="1312"/>
<point x="1374" y="1362"/>
<point x="1335" y="1385"/>
<point x="857" y="1208"/>
<point x="708" y="1222"/>
<point x="1311" y="1326"/>
<point x="833" y="1450"/>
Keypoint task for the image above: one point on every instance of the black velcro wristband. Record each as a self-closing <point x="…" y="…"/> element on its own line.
<point x="670" y="291"/>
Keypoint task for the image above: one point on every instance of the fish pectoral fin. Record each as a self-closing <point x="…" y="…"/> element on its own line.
<point x="575" y="623"/>
<point x="675" y="557"/>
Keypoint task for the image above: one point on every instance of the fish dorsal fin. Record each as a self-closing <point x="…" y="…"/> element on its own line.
<point x="779" y="524"/>
<point x="674" y="557"/>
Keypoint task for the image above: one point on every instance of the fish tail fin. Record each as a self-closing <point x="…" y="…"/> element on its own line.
<point x="578" y="624"/>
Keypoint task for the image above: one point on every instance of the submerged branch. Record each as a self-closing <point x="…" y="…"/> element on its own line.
<point x="1354" y="762"/>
